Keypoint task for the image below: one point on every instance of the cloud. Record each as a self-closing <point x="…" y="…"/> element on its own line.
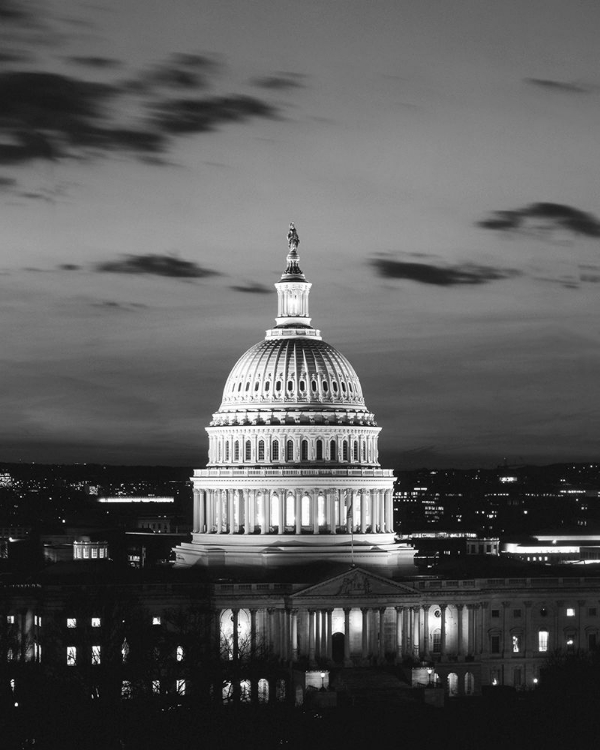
<point x="68" y="267"/>
<point x="544" y="217"/>
<point x="11" y="10"/>
<point x="280" y="81"/>
<point x="156" y="265"/>
<point x="424" y="273"/>
<point x="112" y="305"/>
<point x="251" y="288"/>
<point x="181" y="70"/>
<point x="95" y="62"/>
<point x="6" y="183"/>
<point x="180" y="116"/>
<point x="569" y="88"/>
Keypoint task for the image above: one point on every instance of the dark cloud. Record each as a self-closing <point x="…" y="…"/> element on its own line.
<point x="50" y="116"/>
<point x="112" y="305"/>
<point x="13" y="10"/>
<point x="544" y="216"/>
<point x="183" y="71"/>
<point x="569" y="88"/>
<point x="156" y="265"/>
<point x="251" y="288"/>
<point x="69" y="267"/>
<point x="424" y="273"/>
<point x="280" y="81"/>
<point x="6" y="183"/>
<point x="95" y="62"/>
<point x="180" y="116"/>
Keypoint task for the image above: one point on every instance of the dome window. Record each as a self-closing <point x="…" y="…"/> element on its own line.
<point x="350" y="388"/>
<point x="248" y="386"/>
<point x="240" y="386"/>
<point x="278" y="386"/>
<point x="333" y="451"/>
<point x="319" y="451"/>
<point x="334" y="385"/>
<point x="345" y="450"/>
<point x="261" y="450"/>
<point x="302" y="386"/>
<point x="275" y="450"/>
<point x="248" y="451"/>
<point x="325" y="387"/>
<point x="267" y="386"/>
<point x="256" y="385"/>
<point x="304" y="450"/>
<point x="344" y="387"/>
<point x="290" y="385"/>
<point x="236" y="451"/>
<point x="313" y="386"/>
<point x="289" y="450"/>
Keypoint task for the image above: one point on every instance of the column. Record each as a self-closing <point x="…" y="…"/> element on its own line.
<point x="294" y="635"/>
<point x="196" y="511"/>
<point x="253" y="633"/>
<point x="311" y="638"/>
<point x="349" y="503"/>
<point x="263" y="525"/>
<point x="470" y="629"/>
<point x="347" y="659"/>
<point x="210" y="510"/>
<point x="219" y="510"/>
<point x="318" y="633"/>
<point x="231" y="511"/>
<point x="330" y="496"/>
<point x="459" y="635"/>
<point x="417" y="631"/>
<point x="365" y="632"/>
<point x="399" y="631"/>
<point x="389" y="512"/>
<point x="267" y="512"/>
<point x="201" y="512"/>
<point x="363" y="511"/>
<point x="248" y="520"/>
<point x="483" y="643"/>
<point x="374" y="511"/>
<point x="443" y="608"/>
<point x="285" y="635"/>
<point x="315" y="510"/>
<point x="298" y="494"/>
<point x="328" y="634"/>
<point x="408" y="632"/>
<point x="426" y="630"/>
<point x="506" y="637"/>
<point x="236" y="644"/>
<point x="281" y="526"/>
<point x="530" y="645"/>
<point x="381" y="635"/>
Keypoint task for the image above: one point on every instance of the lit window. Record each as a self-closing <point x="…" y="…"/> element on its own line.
<point x="71" y="656"/>
<point x="156" y="687"/>
<point x="102" y="552"/>
<point x="125" y="651"/>
<point x="516" y="644"/>
<point x="543" y="640"/>
<point x="570" y="612"/>
<point x="94" y="552"/>
<point x="10" y="619"/>
<point x="156" y="620"/>
<point x="180" y="687"/>
<point x="96" y="654"/>
<point x="179" y="653"/>
<point x="71" y="622"/>
<point x="95" y="622"/>
<point x="126" y="690"/>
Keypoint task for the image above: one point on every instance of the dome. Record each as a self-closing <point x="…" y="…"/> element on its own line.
<point x="306" y="373"/>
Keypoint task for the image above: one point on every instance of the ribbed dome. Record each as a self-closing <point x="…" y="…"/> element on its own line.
<point x="288" y="372"/>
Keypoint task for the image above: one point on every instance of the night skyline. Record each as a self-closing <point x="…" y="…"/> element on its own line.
<point x="441" y="169"/>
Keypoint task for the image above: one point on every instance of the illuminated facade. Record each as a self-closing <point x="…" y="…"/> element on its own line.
<point x="293" y="475"/>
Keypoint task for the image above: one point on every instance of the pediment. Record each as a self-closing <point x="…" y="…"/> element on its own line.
<point x="356" y="583"/>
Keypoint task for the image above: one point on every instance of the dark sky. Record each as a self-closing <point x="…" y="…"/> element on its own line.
<point x="441" y="162"/>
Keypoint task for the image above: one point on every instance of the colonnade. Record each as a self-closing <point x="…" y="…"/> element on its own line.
<point x="293" y="511"/>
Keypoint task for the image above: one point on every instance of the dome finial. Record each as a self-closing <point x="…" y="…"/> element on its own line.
<point x="292" y="237"/>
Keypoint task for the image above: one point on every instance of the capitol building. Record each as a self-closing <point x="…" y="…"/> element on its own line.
<point x="293" y="476"/>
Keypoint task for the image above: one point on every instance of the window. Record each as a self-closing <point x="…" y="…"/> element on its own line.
<point x="495" y="613"/>
<point x="125" y="651"/>
<point x="517" y="677"/>
<point x="516" y="613"/>
<point x="543" y="612"/>
<point x="570" y="612"/>
<point x="543" y="640"/>
<point x="236" y="451"/>
<point x="10" y="619"/>
<point x="304" y="447"/>
<point x="261" y="450"/>
<point x="275" y="450"/>
<point x="156" y="620"/>
<point x="248" y="451"/>
<point x="71" y="622"/>
<point x="302" y="386"/>
<point x="592" y="641"/>
<point x="516" y="644"/>
<point x="96" y="654"/>
<point x="355" y="451"/>
<point x="325" y="386"/>
<point x="319" y="447"/>
<point x="267" y="386"/>
<point x="96" y="622"/>
<point x="334" y="385"/>
<point x="364" y="451"/>
<point x="71" y="656"/>
<point x="37" y="620"/>
<point x="227" y="451"/>
<point x="345" y="451"/>
<point x="126" y="690"/>
<point x="290" y="385"/>
<point x="592" y="612"/>
<point x="332" y="450"/>
<point x="495" y="644"/>
<point x="179" y="653"/>
<point x="278" y="386"/>
<point x="436" y="641"/>
<point x="289" y="450"/>
<point x="156" y="687"/>
<point x="313" y="386"/>
<point x="180" y="685"/>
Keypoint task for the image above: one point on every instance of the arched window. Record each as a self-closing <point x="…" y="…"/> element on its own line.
<point x="302" y="386"/>
<point x="289" y="450"/>
<point x="261" y="450"/>
<point x="333" y="451"/>
<point x="304" y="448"/>
<point x="236" y="451"/>
<point x="275" y="450"/>
<point x="319" y="448"/>
<point x="248" y="451"/>
<point x="227" y="450"/>
<point x="313" y="386"/>
<point x="355" y="451"/>
<point x="290" y="385"/>
<point x="345" y="450"/>
<point x="343" y="388"/>
<point x="325" y="387"/>
<point x="334" y="385"/>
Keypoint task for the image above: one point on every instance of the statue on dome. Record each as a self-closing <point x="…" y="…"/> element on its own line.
<point x="293" y="239"/>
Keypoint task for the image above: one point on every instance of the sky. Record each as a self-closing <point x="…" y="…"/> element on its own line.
<point x="441" y="162"/>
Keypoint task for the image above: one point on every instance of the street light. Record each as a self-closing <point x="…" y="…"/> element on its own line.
<point x="429" y="673"/>
<point x="322" y="680"/>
